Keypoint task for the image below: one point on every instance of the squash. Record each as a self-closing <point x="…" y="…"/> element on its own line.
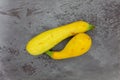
<point x="48" y="39"/>
<point x="77" y="46"/>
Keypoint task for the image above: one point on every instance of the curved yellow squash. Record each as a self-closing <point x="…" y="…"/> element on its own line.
<point x="48" y="39"/>
<point x="77" y="46"/>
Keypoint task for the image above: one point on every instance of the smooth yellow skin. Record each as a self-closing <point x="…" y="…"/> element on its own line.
<point x="77" y="46"/>
<point x="48" y="39"/>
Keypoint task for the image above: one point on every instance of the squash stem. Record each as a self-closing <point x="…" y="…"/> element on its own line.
<point x="49" y="53"/>
<point x="91" y="27"/>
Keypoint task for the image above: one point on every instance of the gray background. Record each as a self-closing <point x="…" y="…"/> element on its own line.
<point x="20" y="20"/>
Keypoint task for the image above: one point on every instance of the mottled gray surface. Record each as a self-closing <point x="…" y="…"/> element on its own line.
<point x="20" y="20"/>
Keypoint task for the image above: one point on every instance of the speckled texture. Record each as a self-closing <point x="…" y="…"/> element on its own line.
<point x="20" y="20"/>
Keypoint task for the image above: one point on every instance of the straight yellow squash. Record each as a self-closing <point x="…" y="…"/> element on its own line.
<point x="48" y="39"/>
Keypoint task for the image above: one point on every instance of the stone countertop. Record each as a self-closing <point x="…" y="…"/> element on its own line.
<point x="20" y="20"/>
